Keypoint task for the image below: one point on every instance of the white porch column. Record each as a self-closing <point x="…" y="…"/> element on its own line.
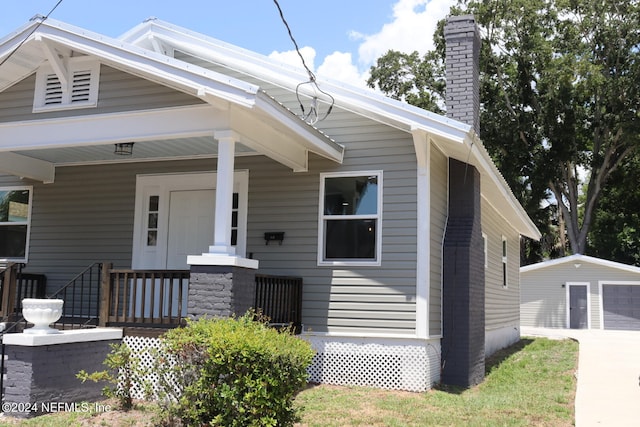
<point x="221" y="252"/>
<point x="224" y="194"/>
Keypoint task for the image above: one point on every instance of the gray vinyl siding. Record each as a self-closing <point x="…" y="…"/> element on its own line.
<point x="342" y="299"/>
<point x="439" y="211"/>
<point x="544" y="294"/>
<point x="502" y="305"/>
<point x="543" y="297"/>
<point x="362" y="299"/>
<point x="119" y="91"/>
<point x="87" y="216"/>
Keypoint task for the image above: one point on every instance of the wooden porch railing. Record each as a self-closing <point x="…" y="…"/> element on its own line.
<point x="151" y="298"/>
<point x="15" y="286"/>
<point x="158" y="298"/>
<point x="280" y="299"/>
<point x="8" y="277"/>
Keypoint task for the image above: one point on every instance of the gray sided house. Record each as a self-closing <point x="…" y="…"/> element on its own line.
<point x="404" y="233"/>
<point x="580" y="292"/>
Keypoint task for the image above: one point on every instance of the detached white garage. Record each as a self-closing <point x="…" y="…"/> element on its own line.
<point x="580" y="292"/>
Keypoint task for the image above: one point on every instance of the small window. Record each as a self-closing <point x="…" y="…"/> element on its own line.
<point x="350" y="219"/>
<point x="82" y="90"/>
<point x="15" y="218"/>
<point x="504" y="262"/>
<point x="485" y="245"/>
<point x="152" y="220"/>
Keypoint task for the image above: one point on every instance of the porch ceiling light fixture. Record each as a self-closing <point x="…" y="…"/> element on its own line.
<point x="124" y="149"/>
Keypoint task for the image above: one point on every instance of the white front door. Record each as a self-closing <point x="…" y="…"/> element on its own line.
<point x="191" y="223"/>
<point x="174" y="218"/>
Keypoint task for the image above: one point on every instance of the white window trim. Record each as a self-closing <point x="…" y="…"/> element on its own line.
<point x="504" y="252"/>
<point x="162" y="185"/>
<point x="378" y="217"/>
<point x="73" y="65"/>
<point x="28" y="223"/>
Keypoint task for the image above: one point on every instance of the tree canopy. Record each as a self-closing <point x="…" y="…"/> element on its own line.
<point x="559" y="102"/>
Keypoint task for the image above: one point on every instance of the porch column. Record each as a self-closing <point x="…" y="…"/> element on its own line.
<point x="221" y="253"/>
<point x="221" y="283"/>
<point x="224" y="194"/>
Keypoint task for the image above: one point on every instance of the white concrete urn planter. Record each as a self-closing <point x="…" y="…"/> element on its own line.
<point x="41" y="312"/>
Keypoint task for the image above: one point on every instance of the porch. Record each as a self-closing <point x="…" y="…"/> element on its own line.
<point x="142" y="302"/>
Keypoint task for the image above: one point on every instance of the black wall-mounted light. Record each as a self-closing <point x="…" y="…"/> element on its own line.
<point x="124" y="149"/>
<point x="273" y="236"/>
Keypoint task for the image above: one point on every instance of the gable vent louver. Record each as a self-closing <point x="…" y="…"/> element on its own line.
<point x="82" y="75"/>
<point x="53" y="90"/>
<point x="81" y="86"/>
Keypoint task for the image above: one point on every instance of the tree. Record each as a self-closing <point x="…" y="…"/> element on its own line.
<point x="559" y="100"/>
<point x="615" y="232"/>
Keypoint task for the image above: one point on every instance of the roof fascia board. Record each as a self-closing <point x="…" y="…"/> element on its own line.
<point x="313" y="138"/>
<point x="27" y="167"/>
<point x="482" y="158"/>
<point x="284" y="75"/>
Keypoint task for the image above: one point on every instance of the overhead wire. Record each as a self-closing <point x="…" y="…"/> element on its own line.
<point x="30" y="33"/>
<point x="312" y="116"/>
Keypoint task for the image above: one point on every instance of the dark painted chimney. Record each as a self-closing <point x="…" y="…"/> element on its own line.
<point x="463" y="281"/>
<point x="462" y="39"/>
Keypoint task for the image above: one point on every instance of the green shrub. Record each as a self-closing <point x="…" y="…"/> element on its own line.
<point x="232" y="372"/>
<point x="123" y="373"/>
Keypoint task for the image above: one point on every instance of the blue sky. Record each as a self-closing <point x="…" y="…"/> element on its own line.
<point x="339" y="38"/>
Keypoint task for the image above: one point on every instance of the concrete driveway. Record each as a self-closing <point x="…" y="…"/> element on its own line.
<point x="608" y="375"/>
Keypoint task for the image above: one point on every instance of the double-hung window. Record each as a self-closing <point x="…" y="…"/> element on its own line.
<point x="15" y="216"/>
<point x="350" y="219"/>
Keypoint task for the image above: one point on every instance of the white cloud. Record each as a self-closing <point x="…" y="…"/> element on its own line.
<point x="412" y="28"/>
<point x="291" y="57"/>
<point x="339" y="66"/>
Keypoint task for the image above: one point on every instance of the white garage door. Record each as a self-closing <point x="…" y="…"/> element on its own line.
<point x="621" y="307"/>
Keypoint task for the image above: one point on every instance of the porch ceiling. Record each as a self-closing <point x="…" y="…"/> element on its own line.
<point x="157" y="149"/>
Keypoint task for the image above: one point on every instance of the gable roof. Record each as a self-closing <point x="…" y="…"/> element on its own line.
<point x="454" y="138"/>
<point x="33" y="43"/>
<point x="578" y="258"/>
<point x="146" y="50"/>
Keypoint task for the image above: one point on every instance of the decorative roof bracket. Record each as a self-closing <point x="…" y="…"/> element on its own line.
<point x="57" y="63"/>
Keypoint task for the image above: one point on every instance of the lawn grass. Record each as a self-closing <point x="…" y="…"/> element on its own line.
<point x="529" y="384"/>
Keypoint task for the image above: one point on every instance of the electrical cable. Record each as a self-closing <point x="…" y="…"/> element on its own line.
<point x="29" y="35"/>
<point x="312" y="116"/>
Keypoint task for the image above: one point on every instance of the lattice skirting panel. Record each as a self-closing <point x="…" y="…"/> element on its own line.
<point x="144" y="348"/>
<point x="400" y="364"/>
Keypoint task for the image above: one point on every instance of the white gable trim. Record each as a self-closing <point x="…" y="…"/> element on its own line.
<point x="578" y="258"/>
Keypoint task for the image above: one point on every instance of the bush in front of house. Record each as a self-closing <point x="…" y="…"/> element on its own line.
<point x="232" y="372"/>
